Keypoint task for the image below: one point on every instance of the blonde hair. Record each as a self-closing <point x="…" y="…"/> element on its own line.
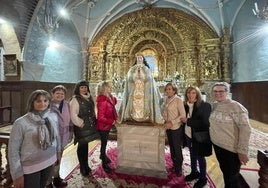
<point x="101" y="88"/>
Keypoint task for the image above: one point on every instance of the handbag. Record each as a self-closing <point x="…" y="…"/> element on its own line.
<point x="202" y="137"/>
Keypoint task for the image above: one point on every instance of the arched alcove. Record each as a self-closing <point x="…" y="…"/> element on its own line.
<point x="182" y="44"/>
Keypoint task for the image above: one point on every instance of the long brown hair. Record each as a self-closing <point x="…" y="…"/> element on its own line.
<point x="34" y="96"/>
<point x="199" y="99"/>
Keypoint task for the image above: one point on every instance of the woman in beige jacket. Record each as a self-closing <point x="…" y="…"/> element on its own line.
<point x="173" y="111"/>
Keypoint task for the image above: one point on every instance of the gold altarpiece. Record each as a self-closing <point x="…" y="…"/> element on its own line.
<point x="180" y="42"/>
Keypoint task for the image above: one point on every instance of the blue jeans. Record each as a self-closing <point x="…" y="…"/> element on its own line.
<point x="194" y="158"/>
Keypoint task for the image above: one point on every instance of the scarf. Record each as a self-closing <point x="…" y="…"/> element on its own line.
<point x="191" y="107"/>
<point x="46" y="132"/>
<point x="86" y="96"/>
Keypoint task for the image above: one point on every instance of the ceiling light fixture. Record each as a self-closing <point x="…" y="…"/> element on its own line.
<point x="262" y="14"/>
<point x="49" y="23"/>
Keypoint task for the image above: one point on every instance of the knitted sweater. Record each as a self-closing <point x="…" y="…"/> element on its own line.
<point x="229" y="126"/>
<point x="24" y="152"/>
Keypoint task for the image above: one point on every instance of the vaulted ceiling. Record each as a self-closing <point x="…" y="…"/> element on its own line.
<point x="216" y="13"/>
<point x="19" y="13"/>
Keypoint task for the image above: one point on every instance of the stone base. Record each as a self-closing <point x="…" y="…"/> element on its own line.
<point x="141" y="150"/>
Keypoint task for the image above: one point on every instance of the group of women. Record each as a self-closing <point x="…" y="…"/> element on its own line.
<point x="182" y="120"/>
<point x="192" y="122"/>
<point x="39" y="137"/>
<point x="224" y="125"/>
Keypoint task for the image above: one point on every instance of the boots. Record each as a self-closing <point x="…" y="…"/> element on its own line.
<point x="178" y="171"/>
<point x="58" y="182"/>
<point x="85" y="170"/>
<point x="106" y="167"/>
<point x="192" y="176"/>
<point x="200" y="183"/>
<point x="106" y="158"/>
<point x="49" y="185"/>
<point x="177" y="167"/>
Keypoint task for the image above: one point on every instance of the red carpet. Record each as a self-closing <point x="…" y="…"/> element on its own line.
<point x="100" y="179"/>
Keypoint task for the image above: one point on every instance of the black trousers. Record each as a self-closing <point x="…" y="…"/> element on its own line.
<point x="37" y="179"/>
<point x="230" y="167"/>
<point x="104" y="138"/>
<point x="175" y="140"/>
<point x="82" y="154"/>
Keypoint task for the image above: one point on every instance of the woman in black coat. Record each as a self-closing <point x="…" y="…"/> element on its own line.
<point x="197" y="134"/>
<point x="83" y="116"/>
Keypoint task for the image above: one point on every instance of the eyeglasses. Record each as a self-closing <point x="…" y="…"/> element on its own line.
<point x="220" y="91"/>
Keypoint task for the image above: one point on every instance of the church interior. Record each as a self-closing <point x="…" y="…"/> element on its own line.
<point x="44" y="43"/>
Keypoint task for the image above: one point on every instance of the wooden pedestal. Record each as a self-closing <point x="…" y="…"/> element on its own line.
<point x="141" y="150"/>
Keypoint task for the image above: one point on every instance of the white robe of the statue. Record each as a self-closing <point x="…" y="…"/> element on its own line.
<point x="141" y="97"/>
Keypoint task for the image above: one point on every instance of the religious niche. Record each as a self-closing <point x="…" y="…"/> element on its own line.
<point x="174" y="40"/>
<point x="151" y="59"/>
<point x="210" y="69"/>
<point x="94" y="67"/>
<point x="11" y="65"/>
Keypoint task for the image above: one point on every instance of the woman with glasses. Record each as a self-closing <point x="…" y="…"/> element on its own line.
<point x="229" y="131"/>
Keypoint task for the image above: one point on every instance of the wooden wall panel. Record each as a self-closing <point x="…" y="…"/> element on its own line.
<point x="17" y="102"/>
<point x="254" y="96"/>
<point x="6" y="97"/>
<point x="16" y="93"/>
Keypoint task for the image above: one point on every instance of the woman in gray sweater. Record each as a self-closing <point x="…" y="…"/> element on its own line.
<point x="34" y="144"/>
